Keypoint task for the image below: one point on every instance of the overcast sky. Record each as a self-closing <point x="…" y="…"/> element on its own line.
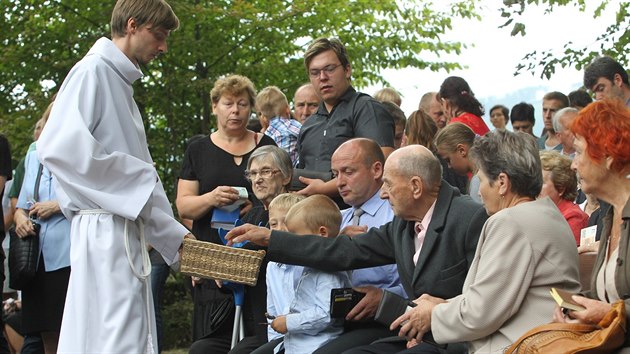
<point x="492" y="61"/>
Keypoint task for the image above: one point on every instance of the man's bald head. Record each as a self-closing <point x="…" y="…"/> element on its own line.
<point x="416" y="160"/>
<point x="368" y="149"/>
<point x="431" y="106"/>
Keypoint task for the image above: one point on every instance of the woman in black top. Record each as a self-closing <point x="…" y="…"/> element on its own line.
<point x="211" y="167"/>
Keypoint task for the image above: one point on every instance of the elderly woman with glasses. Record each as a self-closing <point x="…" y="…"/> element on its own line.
<point x="525" y="248"/>
<point x="269" y="170"/>
<point x="212" y="166"/>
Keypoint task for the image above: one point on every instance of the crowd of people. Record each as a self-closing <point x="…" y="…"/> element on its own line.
<point x="341" y="189"/>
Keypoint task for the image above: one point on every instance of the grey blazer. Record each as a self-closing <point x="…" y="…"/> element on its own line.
<point x="443" y="263"/>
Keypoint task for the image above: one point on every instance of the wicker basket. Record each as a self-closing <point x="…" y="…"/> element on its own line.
<point x="209" y="260"/>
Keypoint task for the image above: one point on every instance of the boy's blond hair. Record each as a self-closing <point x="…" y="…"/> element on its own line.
<point x="286" y="201"/>
<point x="388" y="94"/>
<point x="316" y="211"/>
<point x="271" y="102"/>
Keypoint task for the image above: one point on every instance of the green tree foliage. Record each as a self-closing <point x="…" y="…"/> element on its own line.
<point x="261" y="39"/>
<point x="615" y="41"/>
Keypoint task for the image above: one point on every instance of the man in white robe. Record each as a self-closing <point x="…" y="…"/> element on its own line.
<point x="95" y="145"/>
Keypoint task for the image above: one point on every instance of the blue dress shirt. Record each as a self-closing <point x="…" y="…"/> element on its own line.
<point x="309" y="325"/>
<point x="282" y="279"/>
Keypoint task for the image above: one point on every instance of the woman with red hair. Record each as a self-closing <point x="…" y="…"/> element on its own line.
<point x="602" y="161"/>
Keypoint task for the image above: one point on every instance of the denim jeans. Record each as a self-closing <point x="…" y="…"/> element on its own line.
<point x="159" y="272"/>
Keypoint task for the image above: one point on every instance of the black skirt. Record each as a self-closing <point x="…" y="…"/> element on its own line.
<point x="43" y="300"/>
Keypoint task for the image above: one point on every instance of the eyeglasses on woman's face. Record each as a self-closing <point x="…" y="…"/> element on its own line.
<point x="251" y="175"/>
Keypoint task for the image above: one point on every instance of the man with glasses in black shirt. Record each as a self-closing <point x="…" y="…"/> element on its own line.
<point x="342" y="115"/>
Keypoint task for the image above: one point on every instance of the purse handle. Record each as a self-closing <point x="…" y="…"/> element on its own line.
<point x="39" y="178"/>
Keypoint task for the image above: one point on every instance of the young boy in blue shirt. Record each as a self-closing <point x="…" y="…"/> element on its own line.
<point x="307" y="325"/>
<point x="281" y="278"/>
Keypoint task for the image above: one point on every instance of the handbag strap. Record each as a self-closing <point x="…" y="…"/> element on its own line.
<point x="39" y="178"/>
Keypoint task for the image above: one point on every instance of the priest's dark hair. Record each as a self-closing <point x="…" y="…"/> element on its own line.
<point x="157" y="13"/>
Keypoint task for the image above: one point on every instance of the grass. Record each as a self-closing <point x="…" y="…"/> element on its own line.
<point x="175" y="351"/>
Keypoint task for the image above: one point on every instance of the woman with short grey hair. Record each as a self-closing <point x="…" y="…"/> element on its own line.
<point x="269" y="170"/>
<point x="525" y="248"/>
<point x="277" y="159"/>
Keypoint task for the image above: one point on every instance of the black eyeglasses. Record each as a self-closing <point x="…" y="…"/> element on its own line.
<point x="328" y="69"/>
<point x="264" y="173"/>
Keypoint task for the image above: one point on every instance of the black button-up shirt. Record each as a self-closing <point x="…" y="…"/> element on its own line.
<point x="356" y="115"/>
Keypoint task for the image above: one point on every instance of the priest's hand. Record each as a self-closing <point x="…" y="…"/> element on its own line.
<point x="248" y="232"/>
<point x="181" y="246"/>
<point x="366" y="308"/>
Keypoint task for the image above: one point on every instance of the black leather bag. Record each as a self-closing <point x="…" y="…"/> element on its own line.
<point x="23" y="254"/>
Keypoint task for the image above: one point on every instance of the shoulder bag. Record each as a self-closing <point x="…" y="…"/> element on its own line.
<point x="605" y="337"/>
<point x="24" y="252"/>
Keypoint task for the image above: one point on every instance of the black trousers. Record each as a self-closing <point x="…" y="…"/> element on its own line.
<point x="396" y="347"/>
<point x="356" y="334"/>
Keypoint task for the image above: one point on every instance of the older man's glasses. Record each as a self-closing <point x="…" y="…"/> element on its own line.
<point x="328" y="70"/>
<point x="264" y="173"/>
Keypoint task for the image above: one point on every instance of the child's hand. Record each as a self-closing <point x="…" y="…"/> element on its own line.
<point x="280" y="324"/>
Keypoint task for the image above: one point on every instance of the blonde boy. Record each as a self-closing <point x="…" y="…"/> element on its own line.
<point x="307" y="325"/>
<point x="281" y="278"/>
<point x="274" y="113"/>
<point x="279" y="207"/>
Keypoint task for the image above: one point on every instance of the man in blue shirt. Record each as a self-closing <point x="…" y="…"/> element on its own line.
<point x="358" y="166"/>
